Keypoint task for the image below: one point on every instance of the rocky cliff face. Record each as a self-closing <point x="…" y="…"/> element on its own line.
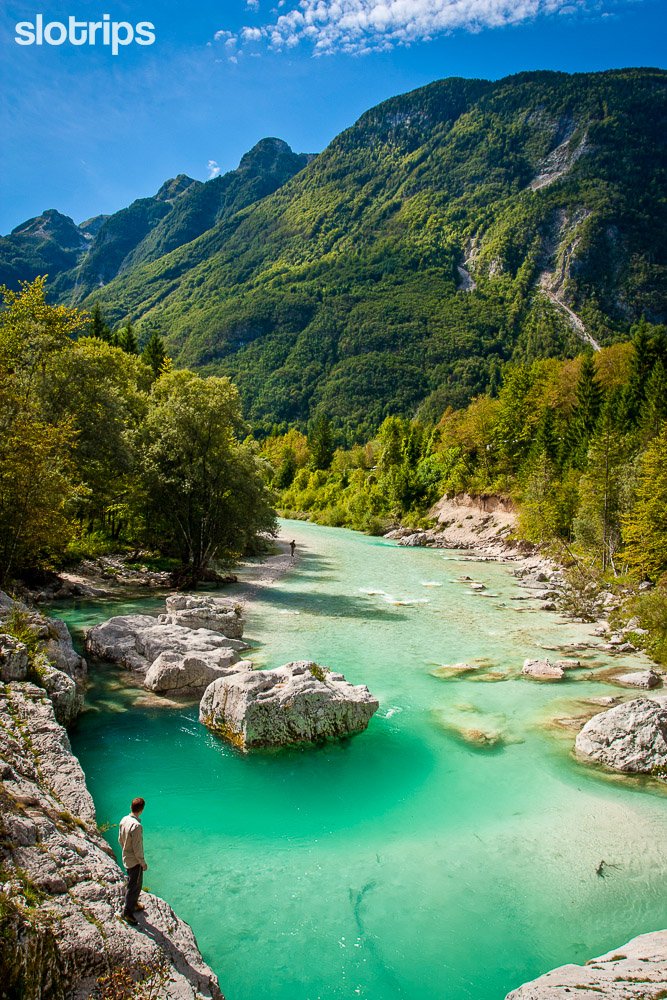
<point x="61" y="889"/>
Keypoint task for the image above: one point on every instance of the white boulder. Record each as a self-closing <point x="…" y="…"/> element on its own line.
<point x="543" y="670"/>
<point x="298" y="702"/>
<point x="218" y="614"/>
<point x="631" y="737"/>
<point x="173" y="672"/>
<point x="646" y="679"/>
<point x="187" y="658"/>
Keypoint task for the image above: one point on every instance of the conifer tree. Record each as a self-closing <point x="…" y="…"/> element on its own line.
<point x="98" y="325"/>
<point x="602" y="490"/>
<point x="645" y="527"/>
<point x="320" y="442"/>
<point x="154" y="354"/>
<point x="653" y="412"/>
<point x="585" y="414"/>
<point x="127" y="339"/>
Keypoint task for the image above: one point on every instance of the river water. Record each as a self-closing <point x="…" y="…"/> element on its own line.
<point x="404" y="863"/>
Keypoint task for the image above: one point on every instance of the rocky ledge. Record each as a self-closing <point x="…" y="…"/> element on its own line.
<point x="60" y="887"/>
<point x="180" y="652"/>
<point x="40" y="649"/>
<point x="636" y="971"/>
<point x="631" y="737"/>
<point x="296" y="703"/>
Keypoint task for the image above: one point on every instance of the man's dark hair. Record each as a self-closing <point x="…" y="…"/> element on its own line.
<point x="137" y="805"/>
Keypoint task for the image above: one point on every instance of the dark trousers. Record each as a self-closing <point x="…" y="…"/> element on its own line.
<point x="135" y="878"/>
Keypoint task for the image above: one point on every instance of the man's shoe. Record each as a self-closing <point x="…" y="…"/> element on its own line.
<point x="129" y="919"/>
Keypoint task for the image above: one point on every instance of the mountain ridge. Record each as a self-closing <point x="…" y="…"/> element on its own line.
<point x="448" y="230"/>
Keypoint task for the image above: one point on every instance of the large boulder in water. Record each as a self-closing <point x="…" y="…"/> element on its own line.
<point x="186" y="659"/>
<point x="296" y="703"/>
<point x="631" y="737"/>
<point x="175" y="673"/>
<point x="215" y="613"/>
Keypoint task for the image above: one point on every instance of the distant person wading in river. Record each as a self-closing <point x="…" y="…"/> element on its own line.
<point x="131" y="840"/>
<point x="292" y="547"/>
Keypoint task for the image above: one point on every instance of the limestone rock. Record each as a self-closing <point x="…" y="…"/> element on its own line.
<point x="172" y="672"/>
<point x="631" y="737"/>
<point x="52" y="850"/>
<point x="635" y="971"/>
<point x="218" y="614"/>
<point x="13" y="659"/>
<point x="298" y="702"/>
<point x="138" y="641"/>
<point x="53" y="663"/>
<point x="543" y="670"/>
<point x="645" y="679"/>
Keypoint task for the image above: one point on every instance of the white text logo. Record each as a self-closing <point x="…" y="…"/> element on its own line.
<point x="113" y="34"/>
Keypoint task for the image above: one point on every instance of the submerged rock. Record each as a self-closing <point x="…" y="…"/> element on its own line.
<point x="171" y="657"/>
<point x="646" y="679"/>
<point x="631" y="737"/>
<point x="635" y="971"/>
<point x="447" y="671"/>
<point x="543" y="670"/>
<point x="298" y="702"/>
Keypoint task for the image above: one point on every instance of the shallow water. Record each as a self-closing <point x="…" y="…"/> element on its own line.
<point x="404" y="863"/>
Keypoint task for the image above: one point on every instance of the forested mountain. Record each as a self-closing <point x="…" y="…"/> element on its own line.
<point x="80" y="259"/>
<point x="448" y="231"/>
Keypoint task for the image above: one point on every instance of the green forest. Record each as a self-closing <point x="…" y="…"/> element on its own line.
<point x="104" y="448"/>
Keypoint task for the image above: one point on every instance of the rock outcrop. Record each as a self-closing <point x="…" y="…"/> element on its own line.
<point x="296" y="703"/>
<point x="635" y="971"/>
<point x="179" y="652"/>
<point x="40" y="649"/>
<point x="60" y="887"/>
<point x="631" y="737"/>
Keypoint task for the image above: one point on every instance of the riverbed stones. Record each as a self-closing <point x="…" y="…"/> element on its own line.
<point x="631" y="737"/>
<point x="186" y="659"/>
<point x="635" y="971"/>
<point x="296" y="703"/>
<point x="646" y="679"/>
<point x="543" y="670"/>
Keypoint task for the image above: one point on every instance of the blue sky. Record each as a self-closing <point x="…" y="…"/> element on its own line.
<point x="86" y="132"/>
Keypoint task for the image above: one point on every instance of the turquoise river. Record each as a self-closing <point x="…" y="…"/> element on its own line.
<point x="404" y="863"/>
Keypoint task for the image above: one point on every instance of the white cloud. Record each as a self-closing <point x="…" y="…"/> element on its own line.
<point x="252" y="4"/>
<point x="213" y="169"/>
<point x="362" y="26"/>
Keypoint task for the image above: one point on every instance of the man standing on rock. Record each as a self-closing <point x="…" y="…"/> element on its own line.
<point x="131" y="840"/>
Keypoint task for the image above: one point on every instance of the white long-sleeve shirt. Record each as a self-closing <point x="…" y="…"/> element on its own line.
<point x="131" y="840"/>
